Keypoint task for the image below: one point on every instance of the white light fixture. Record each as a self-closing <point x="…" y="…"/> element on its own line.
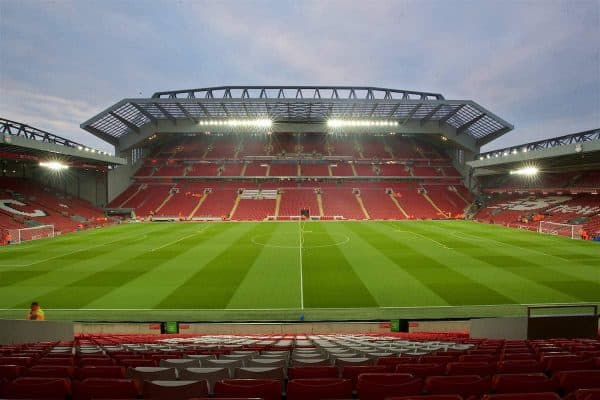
<point x="53" y="165"/>
<point x="247" y="123"/>
<point x="526" y="171"/>
<point x="352" y="123"/>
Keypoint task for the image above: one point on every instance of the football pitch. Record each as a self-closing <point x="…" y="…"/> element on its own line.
<point x="293" y="270"/>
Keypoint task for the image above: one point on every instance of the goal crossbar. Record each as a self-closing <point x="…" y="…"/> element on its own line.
<point x="36" y="232"/>
<point x="555" y="228"/>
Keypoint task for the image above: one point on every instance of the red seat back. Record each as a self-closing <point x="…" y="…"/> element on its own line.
<point x="522" y="396"/>
<point x="353" y="371"/>
<point x="50" y="371"/>
<point x="10" y="372"/>
<point x="267" y="389"/>
<point x="314" y="389"/>
<point x="379" y="386"/>
<point x="38" y="388"/>
<point x="482" y="368"/>
<point x="422" y="369"/>
<point x="105" y="388"/>
<point x="573" y="380"/>
<point x="312" y="372"/>
<point x="463" y="385"/>
<point x="518" y="366"/>
<point x="110" y="371"/>
<point x="523" y="383"/>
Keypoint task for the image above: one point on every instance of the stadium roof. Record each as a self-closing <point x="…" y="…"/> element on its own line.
<point x="577" y="150"/>
<point x="19" y="139"/>
<point x="296" y="104"/>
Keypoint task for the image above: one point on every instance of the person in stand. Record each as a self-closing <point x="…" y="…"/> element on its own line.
<point x="35" y="312"/>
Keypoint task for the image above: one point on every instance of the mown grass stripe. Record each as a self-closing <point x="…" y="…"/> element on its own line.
<point x="329" y="280"/>
<point x="214" y="284"/>
<point x="79" y="293"/>
<point x="453" y="286"/>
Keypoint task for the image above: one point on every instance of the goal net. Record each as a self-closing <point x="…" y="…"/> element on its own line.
<point x="25" y="234"/>
<point x="554" y="228"/>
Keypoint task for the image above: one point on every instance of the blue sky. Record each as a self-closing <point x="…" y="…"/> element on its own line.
<point x="534" y="63"/>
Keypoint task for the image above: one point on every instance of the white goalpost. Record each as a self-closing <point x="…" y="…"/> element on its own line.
<point x="36" y="232"/>
<point x="555" y="228"/>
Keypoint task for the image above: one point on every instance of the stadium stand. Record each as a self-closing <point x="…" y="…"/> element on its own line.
<point x="423" y="366"/>
<point x="27" y="204"/>
<point x="421" y="192"/>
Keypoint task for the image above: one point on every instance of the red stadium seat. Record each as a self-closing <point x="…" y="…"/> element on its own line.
<point x="110" y="371"/>
<point x="137" y="362"/>
<point x="22" y="361"/>
<point x="393" y="361"/>
<point x="10" y="372"/>
<point x="50" y="371"/>
<point x="463" y="385"/>
<point x="267" y="389"/>
<point x="573" y="380"/>
<point x="523" y="383"/>
<point x="587" y="394"/>
<point x="469" y="368"/>
<point x="522" y="396"/>
<point x="105" y="388"/>
<point x="427" y="397"/>
<point x="174" y="390"/>
<point x="37" y="388"/>
<point x="312" y="372"/>
<point x="434" y="359"/>
<point x="380" y="386"/>
<point x="518" y="366"/>
<point x="314" y="389"/>
<point x="421" y="370"/>
<point x="554" y="365"/>
<point x="96" y="361"/>
<point x="353" y="371"/>
<point x="54" y="361"/>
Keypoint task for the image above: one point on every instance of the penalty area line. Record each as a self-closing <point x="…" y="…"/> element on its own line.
<point x="425" y="237"/>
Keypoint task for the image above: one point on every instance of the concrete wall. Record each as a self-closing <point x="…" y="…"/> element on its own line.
<point x="23" y="331"/>
<point x="120" y="178"/>
<point x="499" y="328"/>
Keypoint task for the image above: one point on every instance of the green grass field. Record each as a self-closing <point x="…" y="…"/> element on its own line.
<point x="280" y="271"/>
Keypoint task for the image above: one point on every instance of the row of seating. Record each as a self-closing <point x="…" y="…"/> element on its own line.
<point x="369" y="386"/>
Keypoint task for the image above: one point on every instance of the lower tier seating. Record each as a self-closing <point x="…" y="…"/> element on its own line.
<point x="420" y="366"/>
<point x="345" y="200"/>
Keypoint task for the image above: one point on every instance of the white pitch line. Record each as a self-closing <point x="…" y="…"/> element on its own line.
<point x="300" y="240"/>
<point x="425" y="237"/>
<point x="467" y="235"/>
<point x="180" y="239"/>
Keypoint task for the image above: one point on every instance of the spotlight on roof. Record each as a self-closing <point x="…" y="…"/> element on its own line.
<point x="352" y="123"/>
<point x="53" y="165"/>
<point x="244" y="123"/>
<point x="526" y="171"/>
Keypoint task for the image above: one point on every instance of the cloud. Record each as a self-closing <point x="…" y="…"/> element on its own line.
<point x="51" y="113"/>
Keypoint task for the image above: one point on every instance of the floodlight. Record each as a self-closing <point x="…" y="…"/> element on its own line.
<point x="526" y="171"/>
<point x="53" y="165"/>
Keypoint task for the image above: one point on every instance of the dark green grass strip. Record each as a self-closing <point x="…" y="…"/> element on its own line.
<point x="454" y="287"/>
<point x="79" y="293"/>
<point x="21" y="274"/>
<point x="585" y="290"/>
<point x="215" y="283"/>
<point x="577" y="288"/>
<point x="329" y="280"/>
